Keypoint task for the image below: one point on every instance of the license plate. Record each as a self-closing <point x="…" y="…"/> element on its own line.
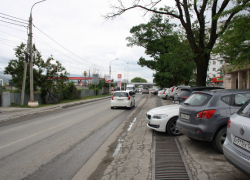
<point x="119" y="99"/>
<point x="242" y="143"/>
<point x="185" y="116"/>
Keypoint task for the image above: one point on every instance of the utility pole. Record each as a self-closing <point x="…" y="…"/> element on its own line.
<point x="25" y="72"/>
<point x="31" y="60"/>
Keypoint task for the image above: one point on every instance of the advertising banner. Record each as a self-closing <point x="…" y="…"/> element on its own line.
<point x="107" y="79"/>
<point x="119" y="76"/>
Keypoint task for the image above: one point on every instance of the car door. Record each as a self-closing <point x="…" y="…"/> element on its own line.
<point x="238" y="100"/>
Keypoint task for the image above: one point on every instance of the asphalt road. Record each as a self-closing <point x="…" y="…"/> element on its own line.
<point x="57" y="144"/>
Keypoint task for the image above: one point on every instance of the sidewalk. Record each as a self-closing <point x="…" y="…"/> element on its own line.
<point x="7" y="113"/>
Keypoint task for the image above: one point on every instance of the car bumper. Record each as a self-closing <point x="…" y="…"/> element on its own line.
<point x="145" y="92"/>
<point x="236" y="158"/>
<point x="157" y="125"/>
<point x="193" y="131"/>
<point x="121" y="104"/>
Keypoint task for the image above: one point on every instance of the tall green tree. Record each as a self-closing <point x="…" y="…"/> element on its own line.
<point x="234" y="44"/>
<point x="171" y="55"/>
<point x="192" y="15"/>
<point x="47" y="76"/>
<point x="139" y="79"/>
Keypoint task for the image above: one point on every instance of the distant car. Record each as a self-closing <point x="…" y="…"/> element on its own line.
<point x="123" y="99"/>
<point x="145" y="91"/>
<point x="236" y="147"/>
<point x="185" y="92"/>
<point x="164" y="119"/>
<point x="204" y="115"/>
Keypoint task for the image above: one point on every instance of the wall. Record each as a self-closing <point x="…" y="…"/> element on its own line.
<point x="6" y="98"/>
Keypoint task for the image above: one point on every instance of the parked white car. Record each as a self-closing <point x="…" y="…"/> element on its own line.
<point x="164" y="119"/>
<point x="123" y="99"/>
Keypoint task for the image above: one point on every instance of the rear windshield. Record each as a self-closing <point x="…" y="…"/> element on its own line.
<point x="121" y="94"/>
<point x="198" y="99"/>
<point x="184" y="92"/>
<point x="245" y="110"/>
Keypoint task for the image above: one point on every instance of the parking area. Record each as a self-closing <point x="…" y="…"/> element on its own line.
<point x="204" y="161"/>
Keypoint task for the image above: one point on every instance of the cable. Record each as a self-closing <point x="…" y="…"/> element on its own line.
<point x="13" y="17"/>
<point x="12" y="28"/>
<point x="1" y="39"/>
<point x="14" y="23"/>
<point x="14" y="20"/>
<point x="7" y="44"/>
<point x="12" y="35"/>
<point x="62" y="46"/>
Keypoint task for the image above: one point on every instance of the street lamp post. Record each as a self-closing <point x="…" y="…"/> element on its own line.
<point x="31" y="56"/>
<point x="110" y="73"/>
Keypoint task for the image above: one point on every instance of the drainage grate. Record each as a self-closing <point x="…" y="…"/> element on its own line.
<point x="168" y="160"/>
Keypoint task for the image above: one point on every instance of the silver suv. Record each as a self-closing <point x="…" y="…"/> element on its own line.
<point x="204" y="115"/>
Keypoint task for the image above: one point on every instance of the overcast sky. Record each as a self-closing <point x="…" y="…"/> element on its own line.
<point x="78" y="26"/>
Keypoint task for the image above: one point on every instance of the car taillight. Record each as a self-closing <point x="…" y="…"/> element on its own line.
<point x="128" y="97"/>
<point x="184" y="98"/>
<point x="229" y="123"/>
<point x="164" y="92"/>
<point x="205" y="114"/>
<point x="172" y="89"/>
<point x="112" y="97"/>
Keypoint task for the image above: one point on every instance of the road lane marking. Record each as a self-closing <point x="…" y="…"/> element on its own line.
<point x="34" y="135"/>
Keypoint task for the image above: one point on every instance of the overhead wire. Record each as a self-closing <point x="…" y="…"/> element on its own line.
<point x="7" y="44"/>
<point x="63" y="46"/>
<point x="13" y="17"/>
<point x="14" y="20"/>
<point x="12" y="28"/>
<point x="12" y="35"/>
<point x="14" y="23"/>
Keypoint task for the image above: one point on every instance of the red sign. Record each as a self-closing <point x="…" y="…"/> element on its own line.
<point x="217" y="79"/>
<point x="119" y="76"/>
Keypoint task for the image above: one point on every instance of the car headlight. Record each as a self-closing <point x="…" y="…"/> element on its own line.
<point x="160" y="116"/>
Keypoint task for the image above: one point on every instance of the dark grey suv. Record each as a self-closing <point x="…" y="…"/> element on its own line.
<point x="204" y="115"/>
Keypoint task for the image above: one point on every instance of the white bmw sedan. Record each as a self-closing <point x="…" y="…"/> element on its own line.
<point x="164" y="119"/>
<point x="123" y="99"/>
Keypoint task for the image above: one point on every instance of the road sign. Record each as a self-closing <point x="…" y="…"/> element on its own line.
<point x="95" y="78"/>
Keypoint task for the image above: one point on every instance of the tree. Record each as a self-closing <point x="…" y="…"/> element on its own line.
<point x="192" y="17"/>
<point x="234" y="44"/>
<point x="138" y="79"/>
<point x="172" y="57"/>
<point x="48" y="77"/>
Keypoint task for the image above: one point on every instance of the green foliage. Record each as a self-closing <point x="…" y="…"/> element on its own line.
<point x="100" y="85"/>
<point x="138" y="79"/>
<point x="234" y="44"/>
<point x="69" y="91"/>
<point x="47" y="76"/>
<point x="172" y="57"/>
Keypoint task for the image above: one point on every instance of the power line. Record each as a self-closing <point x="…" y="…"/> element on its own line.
<point x="1" y="39"/>
<point x="12" y="28"/>
<point x="12" y="35"/>
<point x="7" y="44"/>
<point x="14" y="23"/>
<point x="13" y="17"/>
<point x="14" y="20"/>
<point x="62" y="46"/>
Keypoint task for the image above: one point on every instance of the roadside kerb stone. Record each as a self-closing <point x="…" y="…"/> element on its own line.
<point x="134" y="159"/>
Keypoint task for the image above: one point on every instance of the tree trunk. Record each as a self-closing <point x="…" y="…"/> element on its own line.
<point x="202" y="65"/>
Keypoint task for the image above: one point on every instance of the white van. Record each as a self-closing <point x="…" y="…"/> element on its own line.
<point x="130" y="87"/>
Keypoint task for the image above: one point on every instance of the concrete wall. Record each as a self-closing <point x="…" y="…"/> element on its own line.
<point x="16" y="98"/>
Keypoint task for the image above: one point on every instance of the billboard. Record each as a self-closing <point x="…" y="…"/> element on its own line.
<point x="95" y="78"/>
<point x="107" y="79"/>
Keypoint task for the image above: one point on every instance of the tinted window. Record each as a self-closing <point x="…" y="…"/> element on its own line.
<point x="245" y="110"/>
<point x="184" y="92"/>
<point x="121" y="94"/>
<point x="240" y="99"/>
<point x="198" y="99"/>
<point x="226" y="99"/>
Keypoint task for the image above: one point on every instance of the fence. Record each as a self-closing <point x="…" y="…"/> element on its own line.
<point x="15" y="98"/>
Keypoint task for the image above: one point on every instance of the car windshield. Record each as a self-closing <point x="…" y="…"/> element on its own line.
<point x="184" y="92"/>
<point x="129" y="88"/>
<point x="197" y="99"/>
<point x="121" y="94"/>
<point x="245" y="110"/>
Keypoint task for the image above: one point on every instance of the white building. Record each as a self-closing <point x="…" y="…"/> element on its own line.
<point x="214" y="67"/>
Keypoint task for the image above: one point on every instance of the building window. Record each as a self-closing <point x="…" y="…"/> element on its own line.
<point x="221" y="62"/>
<point x="214" y="62"/>
<point x="214" y="69"/>
<point x="214" y="75"/>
